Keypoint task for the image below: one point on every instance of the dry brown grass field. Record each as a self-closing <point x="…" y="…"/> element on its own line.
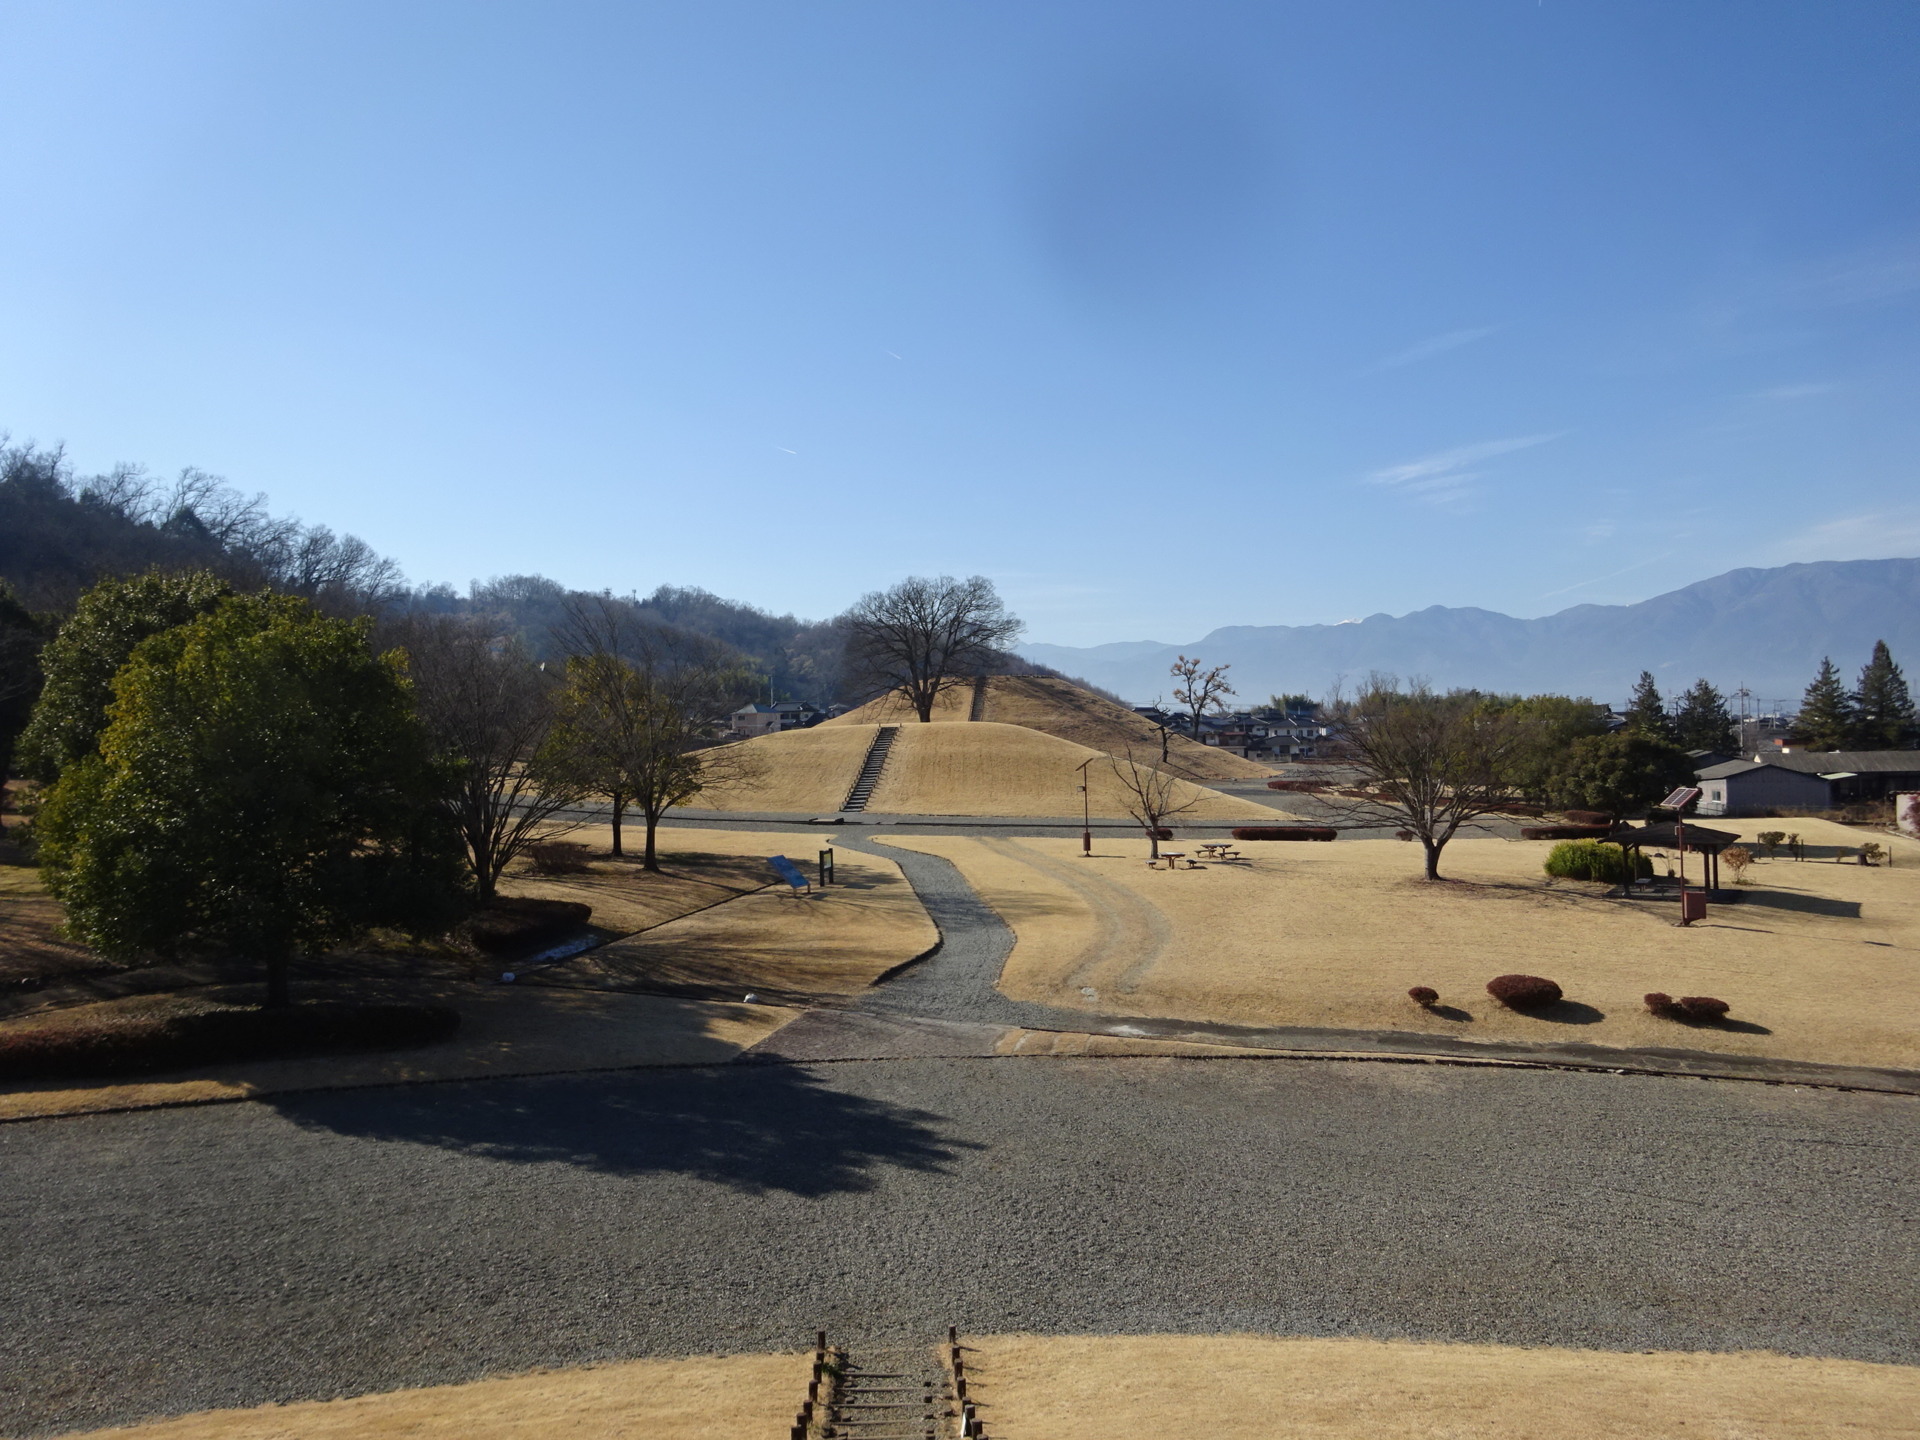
<point x="1249" y="1387"/>
<point x="1820" y="961"/>
<point x="1056" y="708"/>
<point x="707" y="1398"/>
<point x="980" y="769"/>
<point x="763" y="939"/>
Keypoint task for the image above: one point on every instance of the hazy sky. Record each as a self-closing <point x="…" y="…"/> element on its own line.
<point x="1165" y="316"/>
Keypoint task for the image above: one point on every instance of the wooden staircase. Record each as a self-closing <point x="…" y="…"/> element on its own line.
<point x="907" y="1392"/>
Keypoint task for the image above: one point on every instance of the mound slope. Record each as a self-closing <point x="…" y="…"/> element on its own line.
<point x="981" y="769"/>
<point x="1054" y="707"/>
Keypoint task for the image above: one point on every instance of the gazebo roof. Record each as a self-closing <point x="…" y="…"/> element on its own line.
<point x="1661" y="836"/>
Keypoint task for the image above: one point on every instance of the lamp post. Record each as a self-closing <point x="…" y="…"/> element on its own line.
<point x="1086" y="810"/>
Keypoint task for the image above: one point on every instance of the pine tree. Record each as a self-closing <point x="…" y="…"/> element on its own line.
<point x="1882" y="705"/>
<point x="1703" y="721"/>
<point x="1647" y="712"/>
<point x="1826" y="711"/>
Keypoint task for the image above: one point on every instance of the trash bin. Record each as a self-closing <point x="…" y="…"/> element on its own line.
<point x="1693" y="906"/>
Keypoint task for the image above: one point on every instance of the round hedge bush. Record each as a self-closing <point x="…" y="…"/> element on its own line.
<point x="1523" y="992"/>
<point x="1285" y="832"/>
<point x="1424" y="995"/>
<point x="1703" y="1007"/>
<point x="1595" y="860"/>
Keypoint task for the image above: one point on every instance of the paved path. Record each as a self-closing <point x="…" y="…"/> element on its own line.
<point x="330" y="1244"/>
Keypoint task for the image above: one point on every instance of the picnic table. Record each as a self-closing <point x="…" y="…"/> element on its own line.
<point x="1173" y="859"/>
<point x="1219" y="850"/>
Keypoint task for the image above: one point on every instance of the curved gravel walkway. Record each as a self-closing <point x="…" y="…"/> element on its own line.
<point x="328" y="1244"/>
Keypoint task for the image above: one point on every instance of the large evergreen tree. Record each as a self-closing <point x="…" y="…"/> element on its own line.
<point x="1826" y="720"/>
<point x="1883" y="707"/>
<point x="81" y="661"/>
<point x="263" y="789"/>
<point x="1647" y="711"/>
<point x="1703" y="721"/>
<point x="1623" y="773"/>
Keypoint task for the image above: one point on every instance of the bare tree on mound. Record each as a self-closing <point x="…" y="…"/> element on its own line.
<point x="490" y="709"/>
<point x="638" y="714"/>
<point x="1427" y="763"/>
<point x="1152" y="796"/>
<point x="924" y="636"/>
<point x="1200" y="688"/>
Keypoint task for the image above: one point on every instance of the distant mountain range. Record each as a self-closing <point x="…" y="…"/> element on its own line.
<point x="1764" y="629"/>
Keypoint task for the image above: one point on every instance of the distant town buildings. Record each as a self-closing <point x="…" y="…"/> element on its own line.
<point x="751" y="720"/>
<point x="1267" y="734"/>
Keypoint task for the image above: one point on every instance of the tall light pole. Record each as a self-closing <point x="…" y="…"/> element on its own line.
<point x="1086" y="810"/>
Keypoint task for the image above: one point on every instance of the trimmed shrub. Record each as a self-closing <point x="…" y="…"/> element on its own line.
<point x="515" y="923"/>
<point x="1162" y="833"/>
<point x="66" y="1045"/>
<point x="1588" y="817"/>
<point x="1424" y="995"/>
<point x="1302" y="787"/>
<point x="1404" y="835"/>
<point x="1595" y="860"/>
<point x="1566" y="832"/>
<point x="1703" y="1007"/>
<point x="1523" y="992"/>
<point x="1661" y="1004"/>
<point x="559" y="857"/>
<point x="1285" y="832"/>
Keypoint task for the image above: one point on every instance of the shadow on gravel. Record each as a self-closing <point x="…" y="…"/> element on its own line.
<point x="752" y="1129"/>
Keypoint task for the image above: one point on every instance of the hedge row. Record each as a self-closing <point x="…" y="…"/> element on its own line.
<point x="1566" y="832"/>
<point x="1284" y="832"/>
<point x="1302" y="787"/>
<point x="513" y="924"/>
<point x="68" y="1046"/>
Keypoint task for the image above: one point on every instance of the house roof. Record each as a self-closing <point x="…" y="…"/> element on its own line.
<point x="1857" y="762"/>
<point x="1742" y="767"/>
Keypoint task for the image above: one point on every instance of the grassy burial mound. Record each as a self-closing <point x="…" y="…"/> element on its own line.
<point x="983" y="769"/>
<point x="1056" y="708"/>
<point x="1230" y="1387"/>
<point x="1814" y="958"/>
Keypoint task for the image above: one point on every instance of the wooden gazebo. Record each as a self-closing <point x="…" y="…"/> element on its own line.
<point x="1707" y="843"/>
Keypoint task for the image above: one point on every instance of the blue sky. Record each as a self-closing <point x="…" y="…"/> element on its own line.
<point x="1164" y="316"/>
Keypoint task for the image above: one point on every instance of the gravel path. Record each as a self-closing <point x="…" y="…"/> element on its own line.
<point x="322" y="1245"/>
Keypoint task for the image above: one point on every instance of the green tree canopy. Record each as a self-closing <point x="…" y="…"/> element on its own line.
<point x="1647" y="711"/>
<point x="20" y="637"/>
<point x="1548" y="725"/>
<point x="1826" y="719"/>
<point x="80" y="662"/>
<point x="1620" y="773"/>
<point x="263" y="788"/>
<point x="1703" y="721"/>
<point x="1882" y="704"/>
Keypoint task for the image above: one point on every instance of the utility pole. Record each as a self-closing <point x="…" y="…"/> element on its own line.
<point x="1086" y="810"/>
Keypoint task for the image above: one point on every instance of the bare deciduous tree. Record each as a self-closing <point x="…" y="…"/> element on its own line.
<point x="1428" y="763"/>
<point x="490" y="708"/>
<point x="925" y="636"/>
<point x="1152" y="796"/>
<point x="1200" y="688"/>
<point x="639" y="713"/>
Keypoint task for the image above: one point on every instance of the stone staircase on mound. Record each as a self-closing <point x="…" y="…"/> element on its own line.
<point x="979" y="708"/>
<point x="870" y="769"/>
<point x="907" y="1392"/>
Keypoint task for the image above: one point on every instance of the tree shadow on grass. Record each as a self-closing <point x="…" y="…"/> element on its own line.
<point x="755" y="1129"/>
<point x="1565" y="1012"/>
<point x="1802" y="903"/>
